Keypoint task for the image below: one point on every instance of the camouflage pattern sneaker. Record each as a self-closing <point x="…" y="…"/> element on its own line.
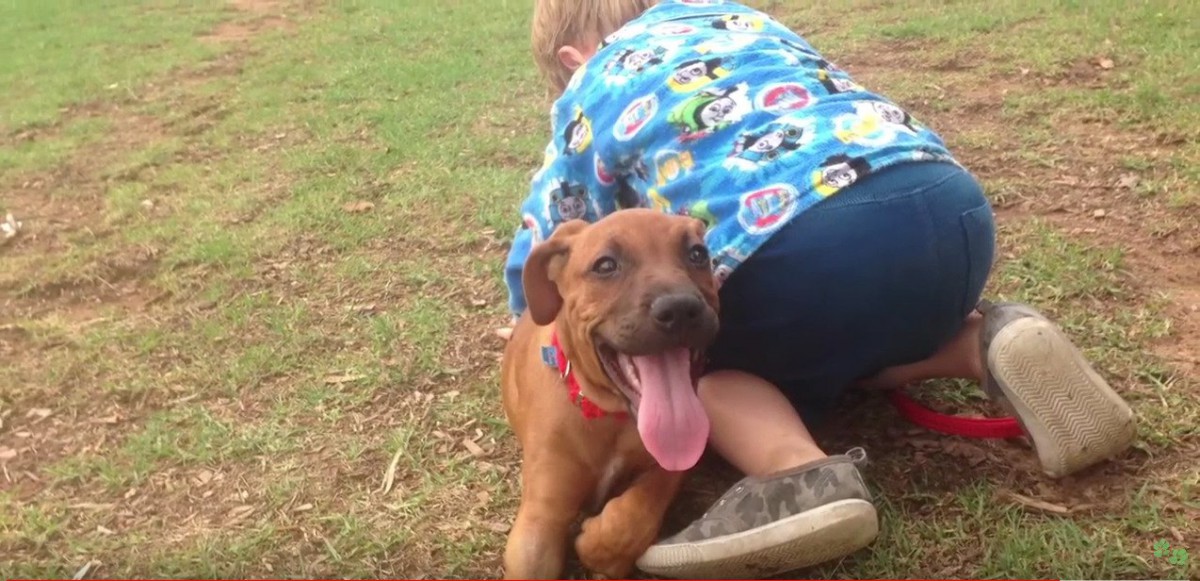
<point x="766" y="526"/>
<point x="1070" y="413"/>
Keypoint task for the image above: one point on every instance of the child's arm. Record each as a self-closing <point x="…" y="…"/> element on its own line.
<point x="521" y="245"/>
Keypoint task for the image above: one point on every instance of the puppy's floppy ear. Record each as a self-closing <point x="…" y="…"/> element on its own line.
<point x="542" y="269"/>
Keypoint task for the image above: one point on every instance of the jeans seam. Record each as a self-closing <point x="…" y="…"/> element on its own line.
<point x="965" y="301"/>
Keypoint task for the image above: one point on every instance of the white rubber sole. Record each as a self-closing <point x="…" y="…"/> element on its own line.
<point x="1073" y="416"/>
<point x="812" y="537"/>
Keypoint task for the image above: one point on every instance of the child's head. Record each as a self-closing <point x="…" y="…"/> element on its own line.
<point x="567" y="32"/>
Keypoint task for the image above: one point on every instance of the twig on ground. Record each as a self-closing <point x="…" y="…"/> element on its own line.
<point x="1039" y="504"/>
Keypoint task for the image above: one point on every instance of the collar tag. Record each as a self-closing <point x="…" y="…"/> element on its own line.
<point x="550" y="356"/>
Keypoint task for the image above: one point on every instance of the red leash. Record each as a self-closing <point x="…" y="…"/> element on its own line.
<point x="967" y="426"/>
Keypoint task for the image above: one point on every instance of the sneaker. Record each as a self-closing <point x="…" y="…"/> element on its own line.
<point x="1073" y="417"/>
<point x="765" y="526"/>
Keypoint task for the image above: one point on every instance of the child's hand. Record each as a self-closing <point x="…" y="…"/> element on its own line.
<point x="506" y="332"/>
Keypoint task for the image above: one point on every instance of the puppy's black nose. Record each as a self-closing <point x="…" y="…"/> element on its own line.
<point x="676" y="312"/>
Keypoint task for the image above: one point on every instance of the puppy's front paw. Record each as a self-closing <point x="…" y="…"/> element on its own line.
<point x="608" y="551"/>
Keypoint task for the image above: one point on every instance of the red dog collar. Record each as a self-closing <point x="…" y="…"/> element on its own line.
<point x="555" y="357"/>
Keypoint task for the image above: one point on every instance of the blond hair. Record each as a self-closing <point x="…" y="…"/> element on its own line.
<point x="559" y="23"/>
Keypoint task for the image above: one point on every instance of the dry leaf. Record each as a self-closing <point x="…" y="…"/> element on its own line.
<point x="1128" y="181"/>
<point x="340" y="379"/>
<point x="473" y="448"/>
<point x="972" y="454"/>
<point x="39" y="413"/>
<point x="92" y="506"/>
<point x="389" y="475"/>
<point x="240" y="513"/>
<point x="359" y="207"/>
<point x="498" y="527"/>
<point x="9" y="227"/>
<point x="1175" y="533"/>
<point x="85" y="569"/>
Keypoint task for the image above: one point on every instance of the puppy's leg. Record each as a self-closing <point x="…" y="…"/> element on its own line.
<point x="612" y="541"/>
<point x="553" y="490"/>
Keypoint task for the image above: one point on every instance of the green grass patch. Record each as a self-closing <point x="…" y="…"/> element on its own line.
<point x="58" y="56"/>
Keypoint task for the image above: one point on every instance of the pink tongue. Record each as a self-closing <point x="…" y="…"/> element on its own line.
<point x="671" y="420"/>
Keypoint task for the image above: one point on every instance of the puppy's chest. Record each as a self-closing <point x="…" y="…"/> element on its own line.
<point x="616" y="471"/>
<point x="611" y="475"/>
<point x="614" y="478"/>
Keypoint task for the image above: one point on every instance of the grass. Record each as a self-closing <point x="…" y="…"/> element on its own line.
<point x="265" y="264"/>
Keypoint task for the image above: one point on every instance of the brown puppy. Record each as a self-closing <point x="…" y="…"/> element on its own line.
<point x="623" y="308"/>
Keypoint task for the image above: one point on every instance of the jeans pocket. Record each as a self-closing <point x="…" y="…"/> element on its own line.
<point x="979" y="233"/>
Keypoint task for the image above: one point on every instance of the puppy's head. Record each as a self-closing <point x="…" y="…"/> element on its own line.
<point x="635" y="305"/>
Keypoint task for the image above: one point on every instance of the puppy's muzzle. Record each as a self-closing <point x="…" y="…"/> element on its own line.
<point x="678" y="317"/>
<point x="677" y="313"/>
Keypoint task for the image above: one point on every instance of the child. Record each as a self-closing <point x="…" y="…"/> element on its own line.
<point x="850" y="246"/>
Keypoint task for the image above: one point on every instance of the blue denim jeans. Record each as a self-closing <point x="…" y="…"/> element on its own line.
<point x="881" y="274"/>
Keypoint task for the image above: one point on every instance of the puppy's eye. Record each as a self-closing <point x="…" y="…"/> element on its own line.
<point x="605" y="265"/>
<point x="698" y="255"/>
